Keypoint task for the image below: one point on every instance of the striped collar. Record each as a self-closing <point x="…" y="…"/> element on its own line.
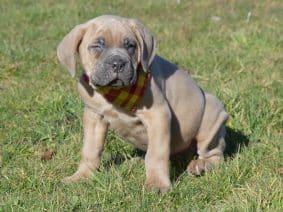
<point x="129" y="97"/>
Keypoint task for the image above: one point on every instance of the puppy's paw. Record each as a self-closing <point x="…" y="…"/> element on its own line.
<point x="199" y="167"/>
<point x="157" y="185"/>
<point x="75" y="178"/>
<point x="71" y="179"/>
<point x="81" y="174"/>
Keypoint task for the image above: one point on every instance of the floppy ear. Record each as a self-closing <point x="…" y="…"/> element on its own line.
<point x="146" y="42"/>
<point x="67" y="48"/>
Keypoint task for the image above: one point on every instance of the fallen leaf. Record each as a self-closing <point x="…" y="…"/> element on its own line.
<point x="48" y="154"/>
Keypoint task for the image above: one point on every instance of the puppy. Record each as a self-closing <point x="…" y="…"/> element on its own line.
<point x="143" y="97"/>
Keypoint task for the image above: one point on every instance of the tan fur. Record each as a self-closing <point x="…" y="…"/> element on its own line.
<point x="173" y="112"/>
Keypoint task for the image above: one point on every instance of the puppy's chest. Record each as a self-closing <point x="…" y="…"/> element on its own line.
<point x="128" y="127"/>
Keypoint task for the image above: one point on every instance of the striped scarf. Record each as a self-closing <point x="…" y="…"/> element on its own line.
<point x="127" y="97"/>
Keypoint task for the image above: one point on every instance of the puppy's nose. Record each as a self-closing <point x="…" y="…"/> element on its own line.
<point x="118" y="65"/>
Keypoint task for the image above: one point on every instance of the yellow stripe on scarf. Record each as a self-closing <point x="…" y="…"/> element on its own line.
<point x="127" y="97"/>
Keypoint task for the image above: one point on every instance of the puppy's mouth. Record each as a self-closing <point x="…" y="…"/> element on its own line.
<point x="117" y="83"/>
<point x="120" y="83"/>
<point x="106" y="78"/>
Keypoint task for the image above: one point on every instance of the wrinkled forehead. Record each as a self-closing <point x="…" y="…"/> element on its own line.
<point x="111" y="30"/>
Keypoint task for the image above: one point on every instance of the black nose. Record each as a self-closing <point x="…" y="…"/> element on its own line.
<point x="118" y="65"/>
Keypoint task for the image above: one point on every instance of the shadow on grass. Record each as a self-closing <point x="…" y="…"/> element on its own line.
<point x="236" y="141"/>
<point x="118" y="158"/>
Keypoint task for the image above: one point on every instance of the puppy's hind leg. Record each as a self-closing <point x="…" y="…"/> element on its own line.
<point x="210" y="139"/>
<point x="210" y="153"/>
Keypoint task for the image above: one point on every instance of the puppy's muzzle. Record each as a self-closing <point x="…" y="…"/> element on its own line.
<point x="118" y="65"/>
<point x="115" y="70"/>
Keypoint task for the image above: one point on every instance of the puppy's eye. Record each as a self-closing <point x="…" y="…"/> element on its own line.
<point x="130" y="45"/>
<point x="98" y="46"/>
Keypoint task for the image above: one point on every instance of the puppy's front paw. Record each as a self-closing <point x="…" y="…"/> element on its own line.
<point x="199" y="167"/>
<point x="71" y="179"/>
<point x="83" y="173"/>
<point x="76" y="177"/>
<point x="157" y="185"/>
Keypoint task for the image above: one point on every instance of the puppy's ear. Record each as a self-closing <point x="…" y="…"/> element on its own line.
<point x="146" y="42"/>
<point x="67" y="48"/>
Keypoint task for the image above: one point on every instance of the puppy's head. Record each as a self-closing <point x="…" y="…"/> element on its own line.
<point x="110" y="49"/>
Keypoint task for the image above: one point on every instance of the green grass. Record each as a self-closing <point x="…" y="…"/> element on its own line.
<point x="239" y="59"/>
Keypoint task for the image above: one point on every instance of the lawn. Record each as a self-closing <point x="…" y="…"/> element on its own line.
<point x="233" y="49"/>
